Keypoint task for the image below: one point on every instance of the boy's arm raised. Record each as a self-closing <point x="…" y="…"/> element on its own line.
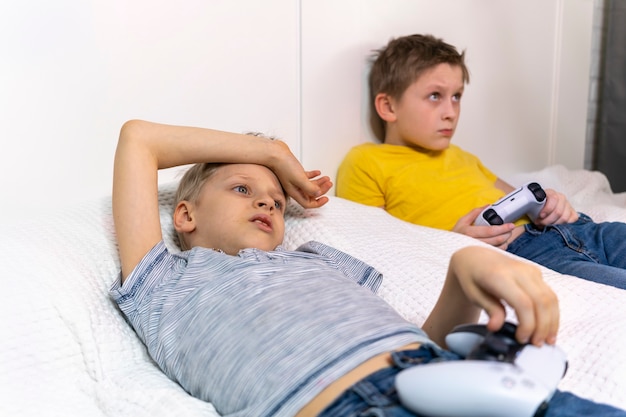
<point x="145" y="147"/>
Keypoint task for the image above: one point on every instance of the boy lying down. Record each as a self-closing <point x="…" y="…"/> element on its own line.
<point x="257" y="330"/>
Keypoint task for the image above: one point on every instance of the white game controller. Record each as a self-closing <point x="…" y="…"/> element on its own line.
<point x="529" y="199"/>
<point x="499" y="377"/>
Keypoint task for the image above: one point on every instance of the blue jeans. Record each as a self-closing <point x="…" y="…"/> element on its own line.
<point x="376" y="396"/>
<point x="593" y="251"/>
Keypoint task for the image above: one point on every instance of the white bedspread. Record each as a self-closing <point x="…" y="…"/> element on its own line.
<point x="67" y="351"/>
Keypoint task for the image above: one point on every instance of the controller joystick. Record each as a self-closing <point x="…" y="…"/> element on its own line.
<point x="528" y="200"/>
<point x="499" y="376"/>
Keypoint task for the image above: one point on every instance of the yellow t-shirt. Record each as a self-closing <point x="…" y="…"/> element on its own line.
<point x="431" y="189"/>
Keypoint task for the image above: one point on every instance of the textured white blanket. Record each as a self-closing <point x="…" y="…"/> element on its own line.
<point x="67" y="351"/>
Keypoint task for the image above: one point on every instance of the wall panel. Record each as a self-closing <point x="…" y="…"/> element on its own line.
<point x="73" y="71"/>
<point x="529" y="64"/>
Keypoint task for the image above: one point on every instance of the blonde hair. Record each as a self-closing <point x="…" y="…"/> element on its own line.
<point x="190" y="185"/>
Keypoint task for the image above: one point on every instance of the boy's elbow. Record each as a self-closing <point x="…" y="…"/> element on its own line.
<point x="134" y="132"/>
<point x="130" y="129"/>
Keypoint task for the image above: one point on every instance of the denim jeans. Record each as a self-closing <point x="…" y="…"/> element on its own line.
<point x="376" y="396"/>
<point x="593" y="251"/>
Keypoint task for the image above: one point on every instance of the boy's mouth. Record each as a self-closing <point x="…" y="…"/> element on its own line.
<point x="263" y="221"/>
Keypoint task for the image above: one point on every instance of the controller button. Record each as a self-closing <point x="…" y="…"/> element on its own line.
<point x="508" y="329"/>
<point x="537" y="191"/>
<point x="492" y="217"/>
<point x="498" y="345"/>
<point x="508" y="383"/>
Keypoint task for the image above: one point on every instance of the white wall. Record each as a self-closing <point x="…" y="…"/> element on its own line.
<point x="525" y="107"/>
<point x="74" y="70"/>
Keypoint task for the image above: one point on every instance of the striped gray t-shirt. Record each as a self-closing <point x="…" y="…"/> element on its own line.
<point x="261" y="333"/>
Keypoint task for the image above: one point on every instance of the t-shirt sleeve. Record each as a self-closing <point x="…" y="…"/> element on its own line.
<point x="133" y="297"/>
<point x="354" y="269"/>
<point x="356" y="179"/>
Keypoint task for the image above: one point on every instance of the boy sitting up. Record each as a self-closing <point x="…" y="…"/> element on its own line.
<point x="416" y="84"/>
<point x="261" y="331"/>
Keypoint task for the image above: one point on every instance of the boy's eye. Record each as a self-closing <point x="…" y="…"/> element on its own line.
<point x="241" y="189"/>
<point x="457" y="97"/>
<point x="434" y="96"/>
<point x="278" y="204"/>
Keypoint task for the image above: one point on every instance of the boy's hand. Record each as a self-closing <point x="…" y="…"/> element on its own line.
<point x="498" y="236"/>
<point x="306" y="187"/>
<point x="481" y="278"/>
<point x="490" y="279"/>
<point x="557" y="210"/>
<point x="313" y="195"/>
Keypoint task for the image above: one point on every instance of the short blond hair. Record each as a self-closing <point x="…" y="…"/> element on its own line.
<point x="190" y="185"/>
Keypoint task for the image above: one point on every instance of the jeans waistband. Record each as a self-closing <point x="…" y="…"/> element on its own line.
<point x="378" y="388"/>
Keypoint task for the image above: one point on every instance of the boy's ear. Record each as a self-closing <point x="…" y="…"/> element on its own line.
<point x="384" y="105"/>
<point x="184" y="221"/>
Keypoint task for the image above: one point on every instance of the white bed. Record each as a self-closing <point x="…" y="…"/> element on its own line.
<point x="67" y="351"/>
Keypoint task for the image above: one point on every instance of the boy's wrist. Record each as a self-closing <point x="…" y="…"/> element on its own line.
<point x="278" y="154"/>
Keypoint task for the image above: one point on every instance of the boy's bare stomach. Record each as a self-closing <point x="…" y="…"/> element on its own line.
<point x="334" y="390"/>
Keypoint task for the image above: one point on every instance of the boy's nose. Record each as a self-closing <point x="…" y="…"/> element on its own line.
<point x="450" y="111"/>
<point x="264" y="203"/>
